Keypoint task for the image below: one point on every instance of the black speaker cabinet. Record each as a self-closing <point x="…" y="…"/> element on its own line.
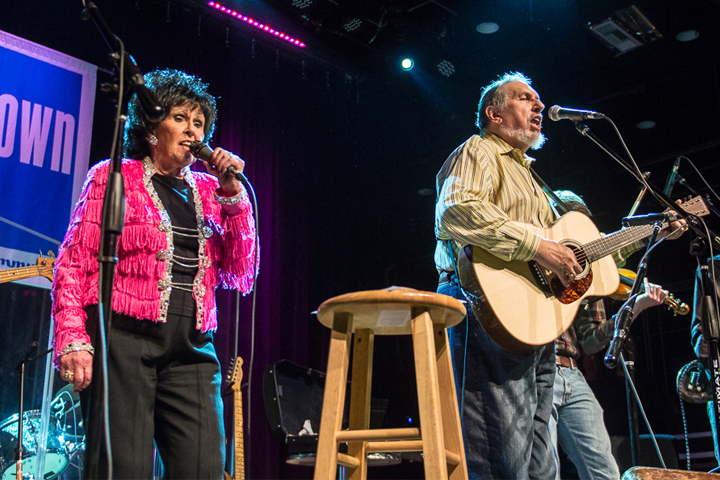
<point x="293" y="398"/>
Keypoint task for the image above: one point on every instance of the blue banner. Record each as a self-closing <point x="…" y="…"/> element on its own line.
<point x="46" y="110"/>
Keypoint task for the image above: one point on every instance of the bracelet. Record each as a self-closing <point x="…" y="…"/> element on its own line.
<point x="77" y="347"/>
<point x="229" y="200"/>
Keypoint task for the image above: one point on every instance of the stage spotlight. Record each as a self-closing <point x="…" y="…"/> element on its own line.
<point x="407" y="64"/>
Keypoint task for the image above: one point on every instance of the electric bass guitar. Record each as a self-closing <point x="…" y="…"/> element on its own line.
<point x="235" y="380"/>
<point x="522" y="306"/>
<point x="43" y="268"/>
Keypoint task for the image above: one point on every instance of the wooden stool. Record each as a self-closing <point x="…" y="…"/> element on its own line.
<point x="647" y="473"/>
<point x="395" y="311"/>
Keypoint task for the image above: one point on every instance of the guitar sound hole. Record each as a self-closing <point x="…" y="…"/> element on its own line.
<point x="574" y="290"/>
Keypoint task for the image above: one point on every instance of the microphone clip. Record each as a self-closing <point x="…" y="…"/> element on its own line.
<point x="649" y="219"/>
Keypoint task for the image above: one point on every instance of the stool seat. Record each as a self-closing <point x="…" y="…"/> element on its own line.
<point x="355" y="318"/>
<point x="388" y="311"/>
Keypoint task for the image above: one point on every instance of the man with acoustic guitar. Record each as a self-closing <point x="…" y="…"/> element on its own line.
<point x="506" y="398"/>
<point x="483" y="188"/>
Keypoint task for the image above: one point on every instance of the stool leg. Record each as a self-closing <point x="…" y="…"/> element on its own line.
<point x="334" y="396"/>
<point x="428" y="395"/>
<point x="363" y="344"/>
<point x="452" y="430"/>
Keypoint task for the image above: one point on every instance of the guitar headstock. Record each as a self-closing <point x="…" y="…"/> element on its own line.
<point x="695" y="206"/>
<point x="45" y="266"/>
<point x="235" y="375"/>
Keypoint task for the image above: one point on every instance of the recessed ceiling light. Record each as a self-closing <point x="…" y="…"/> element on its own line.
<point x="487" y="27"/>
<point x="645" y="125"/>
<point x="687" y="35"/>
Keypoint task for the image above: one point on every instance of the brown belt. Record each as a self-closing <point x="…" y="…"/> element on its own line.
<point x="565" y="361"/>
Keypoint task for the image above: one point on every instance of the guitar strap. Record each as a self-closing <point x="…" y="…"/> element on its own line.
<point x="561" y="207"/>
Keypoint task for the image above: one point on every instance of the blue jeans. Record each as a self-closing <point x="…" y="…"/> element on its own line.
<point x="577" y="426"/>
<point x="505" y="403"/>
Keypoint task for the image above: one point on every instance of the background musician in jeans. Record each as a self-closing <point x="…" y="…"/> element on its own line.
<point x="577" y="424"/>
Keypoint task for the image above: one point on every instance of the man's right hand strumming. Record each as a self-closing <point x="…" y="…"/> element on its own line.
<point x="559" y="259"/>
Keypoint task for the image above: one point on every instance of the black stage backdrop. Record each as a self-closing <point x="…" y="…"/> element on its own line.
<point x="343" y="165"/>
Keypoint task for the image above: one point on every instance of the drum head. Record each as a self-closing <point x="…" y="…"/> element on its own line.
<point x="56" y="459"/>
<point x="55" y="463"/>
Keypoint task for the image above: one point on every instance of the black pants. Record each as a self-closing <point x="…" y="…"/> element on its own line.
<point x="164" y="383"/>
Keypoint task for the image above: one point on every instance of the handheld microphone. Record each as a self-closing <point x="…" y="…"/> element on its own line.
<point x="672" y="178"/>
<point x="557" y="112"/>
<point x="203" y="152"/>
<point x="649" y="219"/>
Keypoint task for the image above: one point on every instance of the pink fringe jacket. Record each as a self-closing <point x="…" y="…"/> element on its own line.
<point x="143" y="271"/>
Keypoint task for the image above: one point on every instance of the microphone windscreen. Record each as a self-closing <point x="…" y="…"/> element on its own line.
<point x="553" y="113"/>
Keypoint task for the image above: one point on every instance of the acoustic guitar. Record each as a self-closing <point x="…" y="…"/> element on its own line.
<point x="235" y="380"/>
<point x="43" y="268"/>
<point x="522" y="306"/>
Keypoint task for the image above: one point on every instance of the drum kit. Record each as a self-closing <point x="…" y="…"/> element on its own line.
<point x="65" y="440"/>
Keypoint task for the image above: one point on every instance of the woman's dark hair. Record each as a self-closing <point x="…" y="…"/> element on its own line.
<point x="172" y="88"/>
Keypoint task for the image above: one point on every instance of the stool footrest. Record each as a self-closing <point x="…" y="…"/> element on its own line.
<point x="377" y="434"/>
<point x="407" y="446"/>
<point x="347" y="461"/>
<point x="399" y="446"/>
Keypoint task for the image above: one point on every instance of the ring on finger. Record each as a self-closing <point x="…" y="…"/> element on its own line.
<point x="68" y="375"/>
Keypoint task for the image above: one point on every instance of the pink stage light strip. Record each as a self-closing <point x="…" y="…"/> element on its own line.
<point x="265" y="28"/>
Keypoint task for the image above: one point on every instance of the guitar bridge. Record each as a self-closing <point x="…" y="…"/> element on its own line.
<point x="540" y="279"/>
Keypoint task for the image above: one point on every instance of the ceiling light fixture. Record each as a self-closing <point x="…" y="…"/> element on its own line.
<point x="407" y="64"/>
<point x="351" y="24"/>
<point x="265" y="28"/>
<point x="626" y="30"/>
<point x="687" y="36"/>
<point x="302" y="3"/>
<point x="446" y="68"/>
<point x="487" y="28"/>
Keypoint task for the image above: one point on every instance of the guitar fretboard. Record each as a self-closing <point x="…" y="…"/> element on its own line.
<point x="21" y="273"/>
<point x="239" y="472"/>
<point x="608" y="244"/>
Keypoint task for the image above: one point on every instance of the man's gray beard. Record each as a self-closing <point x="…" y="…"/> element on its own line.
<point x="525" y="136"/>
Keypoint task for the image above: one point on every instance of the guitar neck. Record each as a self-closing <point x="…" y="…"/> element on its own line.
<point x="239" y="463"/>
<point x="13" y="274"/>
<point x="609" y="244"/>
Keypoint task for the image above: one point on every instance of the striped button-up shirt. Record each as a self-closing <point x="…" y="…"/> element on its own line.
<point x="483" y="185"/>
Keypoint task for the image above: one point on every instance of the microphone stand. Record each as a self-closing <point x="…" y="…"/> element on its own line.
<point x="113" y="219"/>
<point x="710" y="324"/>
<point x="585" y="130"/>
<point x="622" y="333"/>
<point x="691" y="220"/>
<point x="20" y="367"/>
<point x="624" y="318"/>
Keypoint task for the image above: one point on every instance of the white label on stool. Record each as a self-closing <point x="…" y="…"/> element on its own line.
<point x="393" y="318"/>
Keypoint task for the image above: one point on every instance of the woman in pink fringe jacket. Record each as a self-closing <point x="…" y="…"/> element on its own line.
<point x="185" y="234"/>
